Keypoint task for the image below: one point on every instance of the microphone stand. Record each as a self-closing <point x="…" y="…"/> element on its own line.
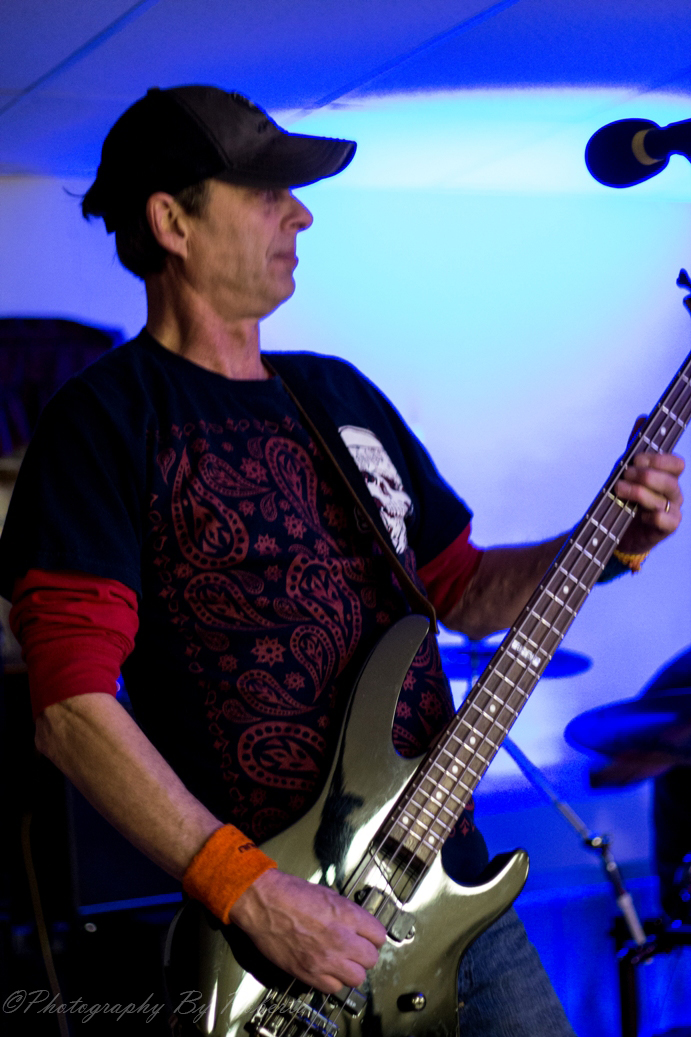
<point x="641" y="947"/>
<point x="599" y="844"/>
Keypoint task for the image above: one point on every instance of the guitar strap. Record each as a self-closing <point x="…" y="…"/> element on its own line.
<point x="323" y="429"/>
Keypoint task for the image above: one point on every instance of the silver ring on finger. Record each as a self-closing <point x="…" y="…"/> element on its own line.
<point x="667" y="507"/>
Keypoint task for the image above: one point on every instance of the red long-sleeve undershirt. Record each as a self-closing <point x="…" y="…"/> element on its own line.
<point x="76" y="630"/>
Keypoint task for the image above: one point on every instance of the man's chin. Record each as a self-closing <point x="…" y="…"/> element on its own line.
<point x="282" y="294"/>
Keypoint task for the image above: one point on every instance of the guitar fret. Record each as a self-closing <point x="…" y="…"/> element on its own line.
<point x="602" y="529"/>
<point x="435" y="817"/>
<point x="428" y="800"/>
<point x="673" y="416"/>
<point x="476" y="734"/>
<point x="443" y="787"/>
<point x="516" y="659"/>
<point x="446" y="774"/>
<point x="410" y="832"/>
<point x="440" y="803"/>
<point x="570" y="576"/>
<point x="559" y="602"/>
<point x="622" y="505"/>
<point x="482" y="737"/>
<point x="494" y="720"/>
<point x="474" y="730"/>
<point x="546" y="622"/>
<point x="520" y="652"/>
<point x="527" y="655"/>
<point x="494" y="694"/>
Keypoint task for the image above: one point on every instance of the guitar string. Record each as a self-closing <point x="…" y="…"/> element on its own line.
<point x="661" y="413"/>
<point x="570" y="559"/>
<point x="612" y="517"/>
<point x="497" y="723"/>
<point x="613" y="513"/>
<point x="567" y="563"/>
<point x="612" y="509"/>
<point x="455" y="743"/>
<point x="412" y="806"/>
<point x="654" y="429"/>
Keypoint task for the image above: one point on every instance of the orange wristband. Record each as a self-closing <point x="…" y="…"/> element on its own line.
<point x="226" y="866"/>
<point x="633" y="561"/>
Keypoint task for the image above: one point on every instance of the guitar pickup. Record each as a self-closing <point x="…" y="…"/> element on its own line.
<point x="401" y="927"/>
<point x="398" y="923"/>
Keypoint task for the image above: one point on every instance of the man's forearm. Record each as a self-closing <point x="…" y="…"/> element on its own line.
<point x="501" y="586"/>
<point x="95" y="742"/>
<point x="304" y="928"/>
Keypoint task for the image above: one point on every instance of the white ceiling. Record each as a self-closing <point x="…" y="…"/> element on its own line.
<point x="68" y="69"/>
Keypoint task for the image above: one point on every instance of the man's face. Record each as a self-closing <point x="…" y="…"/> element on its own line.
<point x="241" y="253"/>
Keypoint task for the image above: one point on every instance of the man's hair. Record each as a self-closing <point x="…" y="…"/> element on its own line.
<point x="136" y="246"/>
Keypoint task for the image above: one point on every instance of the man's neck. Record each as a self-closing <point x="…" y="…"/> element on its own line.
<point x="193" y="330"/>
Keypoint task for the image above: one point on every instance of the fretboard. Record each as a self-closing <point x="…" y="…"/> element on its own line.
<point x="434" y="800"/>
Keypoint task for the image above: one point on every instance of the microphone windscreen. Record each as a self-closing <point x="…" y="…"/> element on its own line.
<point x="610" y="158"/>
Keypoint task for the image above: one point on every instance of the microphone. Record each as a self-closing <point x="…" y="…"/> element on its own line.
<point x="629" y="151"/>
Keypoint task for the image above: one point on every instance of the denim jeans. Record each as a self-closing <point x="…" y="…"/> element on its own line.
<point x="503" y="990"/>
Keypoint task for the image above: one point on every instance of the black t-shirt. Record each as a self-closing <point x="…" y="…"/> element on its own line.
<point x="260" y="591"/>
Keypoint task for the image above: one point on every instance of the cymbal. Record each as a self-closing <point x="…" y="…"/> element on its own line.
<point x="658" y="721"/>
<point x="654" y="724"/>
<point x="467" y="661"/>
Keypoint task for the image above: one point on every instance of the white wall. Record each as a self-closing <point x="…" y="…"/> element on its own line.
<point x="520" y="332"/>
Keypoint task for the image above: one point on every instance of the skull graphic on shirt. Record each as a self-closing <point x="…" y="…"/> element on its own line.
<point x="383" y="481"/>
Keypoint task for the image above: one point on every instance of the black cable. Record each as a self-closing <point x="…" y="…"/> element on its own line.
<point x="43" y="938"/>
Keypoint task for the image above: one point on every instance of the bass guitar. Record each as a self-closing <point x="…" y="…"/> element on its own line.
<point x="376" y="832"/>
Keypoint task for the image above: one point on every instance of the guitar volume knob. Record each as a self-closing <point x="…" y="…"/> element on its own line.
<point x="414" y="1002"/>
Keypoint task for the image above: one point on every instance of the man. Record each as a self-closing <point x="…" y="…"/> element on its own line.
<point x="174" y="493"/>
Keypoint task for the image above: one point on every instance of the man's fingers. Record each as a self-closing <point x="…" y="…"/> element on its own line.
<point x="309" y="930"/>
<point x="652" y="481"/>
<point x="671" y="463"/>
<point x="364" y="952"/>
<point x="657" y="510"/>
<point x="349" y="973"/>
<point x="343" y="964"/>
<point x="369" y="927"/>
<point x="651" y="492"/>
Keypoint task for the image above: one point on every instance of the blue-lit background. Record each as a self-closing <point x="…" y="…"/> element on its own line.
<point x="520" y="316"/>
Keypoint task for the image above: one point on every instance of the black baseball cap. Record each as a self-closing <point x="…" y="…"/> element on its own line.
<point x="171" y="139"/>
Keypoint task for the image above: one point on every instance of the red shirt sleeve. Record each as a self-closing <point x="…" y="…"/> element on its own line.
<point x="447" y="576"/>
<point x="75" y="631"/>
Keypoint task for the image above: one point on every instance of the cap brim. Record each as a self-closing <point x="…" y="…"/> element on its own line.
<point x="293" y="160"/>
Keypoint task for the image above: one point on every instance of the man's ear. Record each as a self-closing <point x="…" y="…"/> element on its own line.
<point x="168" y="222"/>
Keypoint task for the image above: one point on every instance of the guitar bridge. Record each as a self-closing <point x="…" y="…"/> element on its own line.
<point x="283" y="1016"/>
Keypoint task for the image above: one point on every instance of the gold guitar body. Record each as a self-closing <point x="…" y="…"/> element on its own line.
<point x="221" y="983"/>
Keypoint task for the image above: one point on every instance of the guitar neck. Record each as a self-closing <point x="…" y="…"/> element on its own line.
<point x="433" y="802"/>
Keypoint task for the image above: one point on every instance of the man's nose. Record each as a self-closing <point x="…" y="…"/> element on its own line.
<point x="300" y="215"/>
